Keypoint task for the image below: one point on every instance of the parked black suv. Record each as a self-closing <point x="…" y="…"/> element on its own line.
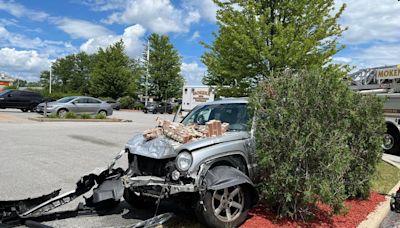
<point x="24" y="100"/>
<point x="162" y="107"/>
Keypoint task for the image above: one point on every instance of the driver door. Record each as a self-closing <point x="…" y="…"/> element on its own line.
<point x="79" y="105"/>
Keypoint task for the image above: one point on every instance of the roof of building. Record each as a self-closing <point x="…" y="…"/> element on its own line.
<point x="5" y="78"/>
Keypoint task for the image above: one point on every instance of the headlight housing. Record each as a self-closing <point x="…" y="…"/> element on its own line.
<point x="184" y="161"/>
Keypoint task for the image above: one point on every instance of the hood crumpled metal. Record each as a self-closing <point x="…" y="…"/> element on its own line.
<point x="158" y="148"/>
<point x="161" y="147"/>
<point x="205" y="142"/>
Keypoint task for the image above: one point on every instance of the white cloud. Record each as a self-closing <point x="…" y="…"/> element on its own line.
<point x="26" y="64"/>
<point x="104" y="5"/>
<point x="47" y="47"/>
<point x="207" y="9"/>
<point x="18" y="10"/>
<point x="377" y="55"/>
<point x="132" y="39"/>
<point x="81" y="29"/>
<point x="155" y="15"/>
<point x="340" y="59"/>
<point x="195" y="36"/>
<point x="371" y="21"/>
<point x="193" y="73"/>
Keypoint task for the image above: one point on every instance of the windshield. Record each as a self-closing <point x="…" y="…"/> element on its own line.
<point x="65" y="99"/>
<point x="4" y="92"/>
<point x="235" y="114"/>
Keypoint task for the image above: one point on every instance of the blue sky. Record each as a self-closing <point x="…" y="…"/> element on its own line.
<point x="34" y="33"/>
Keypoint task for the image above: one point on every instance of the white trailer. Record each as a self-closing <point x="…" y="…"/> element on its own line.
<point x="195" y="95"/>
<point x="385" y="82"/>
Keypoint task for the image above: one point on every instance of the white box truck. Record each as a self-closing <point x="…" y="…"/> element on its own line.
<point x="193" y="95"/>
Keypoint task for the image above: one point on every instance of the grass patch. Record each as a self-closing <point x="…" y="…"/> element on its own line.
<point x="85" y="116"/>
<point x="386" y="177"/>
<point x="52" y="116"/>
<point x="100" y="116"/>
<point x="70" y="115"/>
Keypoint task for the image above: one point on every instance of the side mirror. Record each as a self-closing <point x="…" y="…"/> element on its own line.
<point x="9" y="95"/>
<point x="74" y="102"/>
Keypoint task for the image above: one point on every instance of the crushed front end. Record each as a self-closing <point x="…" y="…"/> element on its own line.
<point x="153" y="170"/>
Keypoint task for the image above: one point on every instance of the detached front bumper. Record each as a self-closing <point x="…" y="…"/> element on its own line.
<point x="138" y="182"/>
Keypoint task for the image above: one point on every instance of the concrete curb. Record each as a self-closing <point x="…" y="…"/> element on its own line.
<point x="41" y="119"/>
<point x="376" y="217"/>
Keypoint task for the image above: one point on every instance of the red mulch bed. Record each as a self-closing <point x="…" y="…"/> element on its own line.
<point x="358" y="211"/>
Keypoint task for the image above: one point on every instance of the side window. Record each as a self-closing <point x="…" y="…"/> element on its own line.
<point x="15" y="93"/>
<point x="81" y="101"/>
<point x="92" y="101"/>
<point x="203" y="116"/>
<point x="27" y="94"/>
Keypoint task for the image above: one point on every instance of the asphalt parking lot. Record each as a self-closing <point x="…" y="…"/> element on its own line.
<point x="39" y="157"/>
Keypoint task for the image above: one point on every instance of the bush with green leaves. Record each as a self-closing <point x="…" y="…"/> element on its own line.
<point x="85" y="116"/>
<point x="100" y="116"/>
<point x="126" y="102"/>
<point x="309" y="135"/>
<point x="367" y="128"/>
<point x="52" y="116"/>
<point x="70" y="115"/>
<point x="106" y="98"/>
<point x="10" y="87"/>
<point x="138" y="106"/>
<point x="58" y="95"/>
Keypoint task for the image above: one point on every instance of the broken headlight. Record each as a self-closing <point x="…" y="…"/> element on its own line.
<point x="183" y="161"/>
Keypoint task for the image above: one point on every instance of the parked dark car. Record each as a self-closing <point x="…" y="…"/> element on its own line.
<point x="161" y="107"/>
<point x="19" y="99"/>
<point x="114" y="104"/>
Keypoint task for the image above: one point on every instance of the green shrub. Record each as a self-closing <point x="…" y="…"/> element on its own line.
<point x="126" y="102"/>
<point x="57" y="95"/>
<point x="70" y="115"/>
<point x="106" y="98"/>
<point x="10" y="87"/>
<point x="367" y="128"/>
<point x="100" y="116"/>
<point x="52" y="116"/>
<point x="307" y="143"/>
<point x="85" y="116"/>
<point x="138" y="106"/>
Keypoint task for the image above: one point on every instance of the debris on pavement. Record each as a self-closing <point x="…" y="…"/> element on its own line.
<point x="184" y="134"/>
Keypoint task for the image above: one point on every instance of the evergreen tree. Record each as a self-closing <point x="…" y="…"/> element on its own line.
<point x="165" y="80"/>
<point x="257" y="37"/>
<point x="111" y="73"/>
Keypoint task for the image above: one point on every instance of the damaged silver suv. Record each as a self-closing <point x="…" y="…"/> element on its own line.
<point x="214" y="174"/>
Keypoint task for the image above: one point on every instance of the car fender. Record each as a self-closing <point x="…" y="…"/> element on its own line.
<point x="221" y="177"/>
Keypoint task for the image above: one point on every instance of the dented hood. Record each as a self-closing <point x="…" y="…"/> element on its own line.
<point x="205" y="142"/>
<point x="161" y="147"/>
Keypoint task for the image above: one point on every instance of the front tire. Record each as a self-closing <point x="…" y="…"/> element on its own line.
<point x="102" y="112"/>
<point x="62" y="113"/>
<point x="138" y="201"/>
<point x="225" y="208"/>
<point x="391" y="143"/>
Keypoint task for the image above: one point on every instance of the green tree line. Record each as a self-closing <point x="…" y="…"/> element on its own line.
<point x="111" y="73"/>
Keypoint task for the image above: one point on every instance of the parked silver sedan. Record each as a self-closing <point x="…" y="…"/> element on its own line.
<point x="76" y="104"/>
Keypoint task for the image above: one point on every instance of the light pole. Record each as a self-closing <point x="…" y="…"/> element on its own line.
<point x="147" y="71"/>
<point x="51" y="64"/>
